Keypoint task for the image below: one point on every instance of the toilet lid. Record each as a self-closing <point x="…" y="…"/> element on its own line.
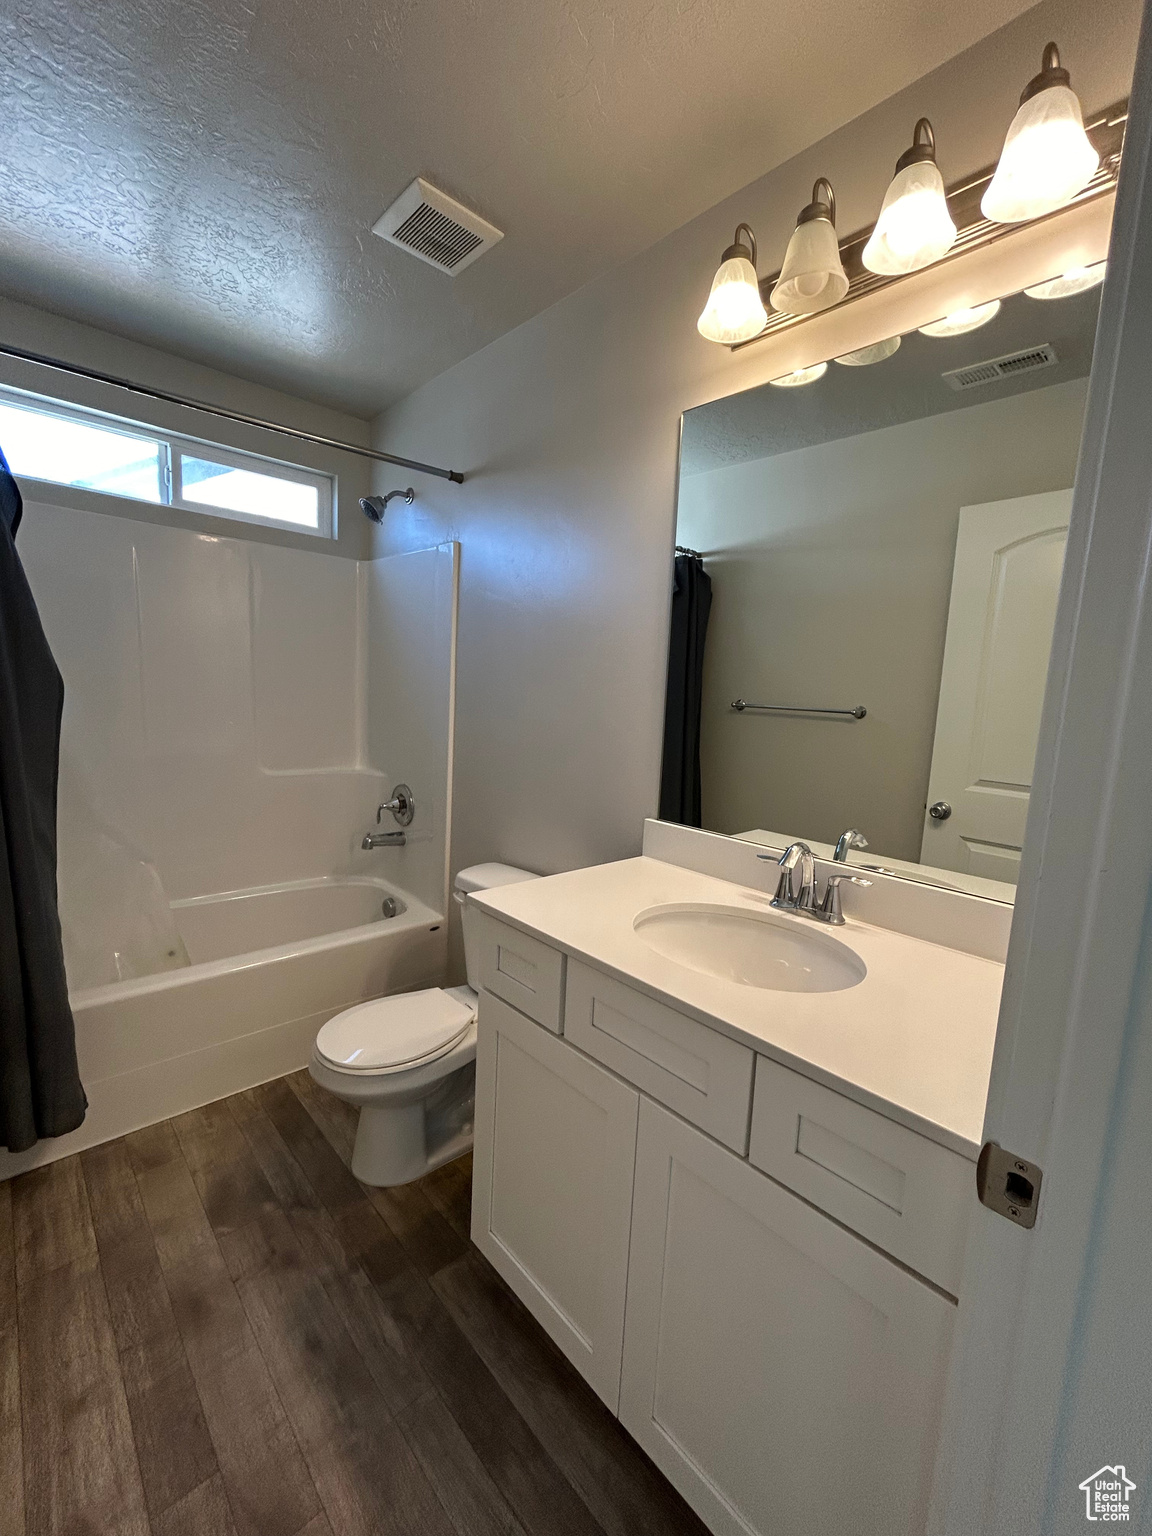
<point x="393" y="1031"/>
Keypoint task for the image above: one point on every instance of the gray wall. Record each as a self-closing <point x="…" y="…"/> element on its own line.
<point x="38" y="331"/>
<point x="831" y="569"/>
<point x="568" y="429"/>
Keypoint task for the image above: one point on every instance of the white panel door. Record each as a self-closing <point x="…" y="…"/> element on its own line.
<point x="782" y="1373"/>
<point x="554" y="1158"/>
<point x="1005" y="584"/>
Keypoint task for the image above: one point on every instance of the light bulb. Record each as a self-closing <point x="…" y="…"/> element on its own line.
<point x="1047" y="157"/>
<point x="876" y="353"/>
<point x="961" y="320"/>
<point x="800" y="376"/>
<point x="915" y="227"/>
<point x="812" y="277"/>
<point x="1077" y="280"/>
<point x="734" y="311"/>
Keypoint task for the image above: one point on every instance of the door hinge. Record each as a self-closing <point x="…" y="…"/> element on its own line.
<point x="1008" y="1184"/>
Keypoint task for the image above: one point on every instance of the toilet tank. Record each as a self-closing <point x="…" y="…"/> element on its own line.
<point x="481" y="877"/>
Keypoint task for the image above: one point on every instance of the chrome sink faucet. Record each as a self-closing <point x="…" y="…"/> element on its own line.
<point x="789" y="896"/>
<point x="802" y="899"/>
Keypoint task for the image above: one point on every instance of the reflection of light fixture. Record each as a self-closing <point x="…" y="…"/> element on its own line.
<point x="734" y="311"/>
<point x="914" y="228"/>
<point x="800" y="376"/>
<point x="876" y="353"/>
<point x="961" y="320"/>
<point x="812" y="277"/>
<point x="1047" y="157"/>
<point x="1078" y="280"/>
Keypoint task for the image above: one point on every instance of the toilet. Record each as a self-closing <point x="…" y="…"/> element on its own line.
<point x="409" y="1062"/>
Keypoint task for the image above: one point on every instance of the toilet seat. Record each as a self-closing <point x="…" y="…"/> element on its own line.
<point x="395" y="1034"/>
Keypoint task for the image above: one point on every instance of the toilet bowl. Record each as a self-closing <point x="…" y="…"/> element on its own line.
<point x="409" y="1062"/>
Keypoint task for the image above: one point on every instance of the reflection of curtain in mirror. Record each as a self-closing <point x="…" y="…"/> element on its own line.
<point x="680" y="776"/>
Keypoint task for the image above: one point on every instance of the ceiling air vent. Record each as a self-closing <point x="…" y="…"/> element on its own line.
<point x="430" y="224"/>
<point x="995" y="368"/>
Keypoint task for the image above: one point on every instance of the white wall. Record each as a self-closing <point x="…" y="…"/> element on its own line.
<point x="230" y="718"/>
<point x="831" y="572"/>
<point x="567" y="429"/>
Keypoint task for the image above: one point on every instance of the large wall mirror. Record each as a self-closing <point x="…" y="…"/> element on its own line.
<point x="866" y="582"/>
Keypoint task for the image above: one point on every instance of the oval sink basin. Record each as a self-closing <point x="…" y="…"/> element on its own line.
<point x="756" y="949"/>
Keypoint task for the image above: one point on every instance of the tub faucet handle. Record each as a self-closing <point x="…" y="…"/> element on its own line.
<point x="402" y="805"/>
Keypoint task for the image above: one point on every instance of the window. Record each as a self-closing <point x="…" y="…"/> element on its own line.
<point x="65" y="445"/>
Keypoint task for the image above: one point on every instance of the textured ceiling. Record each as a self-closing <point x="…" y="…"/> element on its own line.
<point x="760" y="423"/>
<point x="203" y="174"/>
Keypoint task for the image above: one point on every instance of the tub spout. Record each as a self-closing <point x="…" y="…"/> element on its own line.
<point x="383" y="840"/>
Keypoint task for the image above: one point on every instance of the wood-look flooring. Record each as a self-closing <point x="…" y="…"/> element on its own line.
<point x="210" y="1328"/>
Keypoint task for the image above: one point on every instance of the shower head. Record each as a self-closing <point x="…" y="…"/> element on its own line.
<point x="374" y="507"/>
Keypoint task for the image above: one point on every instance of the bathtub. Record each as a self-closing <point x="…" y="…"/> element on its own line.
<point x="267" y="967"/>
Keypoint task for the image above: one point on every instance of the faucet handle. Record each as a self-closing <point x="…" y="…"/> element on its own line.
<point x="831" y="909"/>
<point x="401" y="804"/>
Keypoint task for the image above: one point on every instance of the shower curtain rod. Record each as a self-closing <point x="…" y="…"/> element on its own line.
<point x="222" y="411"/>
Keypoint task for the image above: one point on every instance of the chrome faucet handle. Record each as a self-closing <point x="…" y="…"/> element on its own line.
<point x="401" y="804"/>
<point x="831" y="910"/>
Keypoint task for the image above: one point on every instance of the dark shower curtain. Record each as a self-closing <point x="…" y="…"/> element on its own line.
<point x="680" y="777"/>
<point x="40" y="1092"/>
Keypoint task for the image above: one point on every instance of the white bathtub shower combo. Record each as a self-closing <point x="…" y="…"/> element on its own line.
<point x="235" y="712"/>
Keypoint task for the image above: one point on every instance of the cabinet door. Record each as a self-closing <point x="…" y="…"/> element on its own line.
<point x="554" y="1159"/>
<point x="782" y="1373"/>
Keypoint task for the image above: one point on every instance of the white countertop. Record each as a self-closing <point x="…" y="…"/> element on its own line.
<point x="913" y="1039"/>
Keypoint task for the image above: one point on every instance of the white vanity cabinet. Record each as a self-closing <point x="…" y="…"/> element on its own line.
<point x="554" y="1159"/>
<point x="730" y="1296"/>
<point x="784" y="1375"/>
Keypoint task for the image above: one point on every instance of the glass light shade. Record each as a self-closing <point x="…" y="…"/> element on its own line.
<point x="1047" y="158"/>
<point x="876" y="353"/>
<point x="734" y="311"/>
<point x="914" y="228"/>
<point x="1078" y="280"/>
<point x="812" y="277"/>
<point x="961" y="320"/>
<point x="800" y="376"/>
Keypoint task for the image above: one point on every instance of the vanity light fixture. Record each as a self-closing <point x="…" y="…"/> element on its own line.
<point x="914" y="228"/>
<point x="962" y="320"/>
<point x="1078" y="280"/>
<point x="734" y="311"/>
<point x="812" y="277"/>
<point x="876" y="353"/>
<point x="800" y="376"/>
<point x="1047" y="157"/>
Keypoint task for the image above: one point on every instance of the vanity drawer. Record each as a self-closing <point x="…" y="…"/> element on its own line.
<point x="908" y="1195"/>
<point x="522" y="970"/>
<point x="696" y="1071"/>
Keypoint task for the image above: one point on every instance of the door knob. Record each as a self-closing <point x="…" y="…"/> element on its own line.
<point x="940" y="811"/>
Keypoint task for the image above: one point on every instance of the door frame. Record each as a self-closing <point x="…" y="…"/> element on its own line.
<point x="1025" y="1400"/>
